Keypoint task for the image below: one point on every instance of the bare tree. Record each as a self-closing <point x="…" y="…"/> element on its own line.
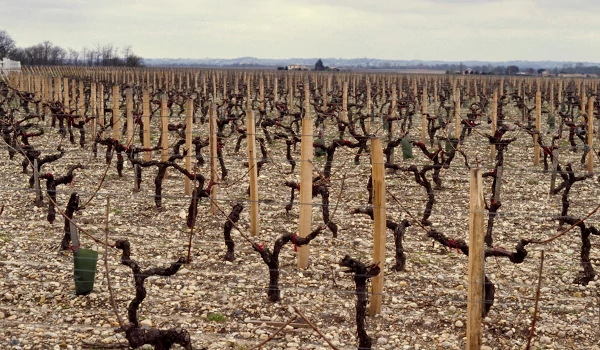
<point x="107" y="55"/>
<point x="73" y="58"/>
<point x="7" y="44"/>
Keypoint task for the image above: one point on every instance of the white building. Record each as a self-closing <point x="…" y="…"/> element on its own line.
<point x="9" y="66"/>
<point x="296" y="67"/>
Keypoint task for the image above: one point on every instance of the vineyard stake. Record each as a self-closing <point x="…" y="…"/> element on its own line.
<point x="537" y="299"/>
<point x="475" y="277"/>
<point x="36" y="184"/>
<point x="494" y="123"/>
<point x="253" y="172"/>
<point x="164" y="132"/>
<point x="457" y="113"/>
<point x="390" y="121"/>
<point x="369" y="101"/>
<point x="424" y="114"/>
<point x="129" y="115"/>
<point x="305" y="205"/>
<point x="74" y="237"/>
<point x="66" y="95"/>
<point x="116" y="122"/>
<point x="93" y="110"/>
<point x="275" y="98"/>
<point x="101" y="116"/>
<point x="261" y="89"/>
<point x="146" y="122"/>
<point x="538" y="119"/>
<point x="582" y="91"/>
<point x="551" y="97"/>
<point x="189" y="125"/>
<point x="212" y="141"/>
<point x="379" y="223"/>
<point x="590" y="136"/>
<point x="81" y="100"/>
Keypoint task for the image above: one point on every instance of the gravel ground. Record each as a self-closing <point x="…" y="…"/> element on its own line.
<point x="221" y="303"/>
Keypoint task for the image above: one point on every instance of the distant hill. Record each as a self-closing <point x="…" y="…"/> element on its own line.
<point x="350" y="63"/>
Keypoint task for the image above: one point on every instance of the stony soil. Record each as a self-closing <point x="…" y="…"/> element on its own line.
<point x="219" y="302"/>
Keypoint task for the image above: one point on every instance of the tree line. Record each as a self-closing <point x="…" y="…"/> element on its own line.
<point x="48" y="54"/>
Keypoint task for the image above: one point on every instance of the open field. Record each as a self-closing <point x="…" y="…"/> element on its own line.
<point x="224" y="304"/>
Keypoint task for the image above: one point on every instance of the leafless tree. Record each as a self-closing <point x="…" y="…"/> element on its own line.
<point x="7" y="44"/>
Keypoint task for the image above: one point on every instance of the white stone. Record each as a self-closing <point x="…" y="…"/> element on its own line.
<point x="382" y="341"/>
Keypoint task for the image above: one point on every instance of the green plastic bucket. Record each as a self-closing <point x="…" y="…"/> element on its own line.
<point x="407" y="148"/>
<point x="85" y="270"/>
<point x="450" y="145"/>
<point x="551" y="121"/>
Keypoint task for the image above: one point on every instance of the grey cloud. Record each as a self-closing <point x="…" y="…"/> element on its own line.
<point x="429" y="29"/>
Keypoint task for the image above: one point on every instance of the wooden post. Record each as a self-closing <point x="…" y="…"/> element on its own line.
<point x="212" y="140"/>
<point x="307" y="103"/>
<point x="306" y="168"/>
<point x="369" y="102"/>
<point x="290" y="101"/>
<point x="81" y="100"/>
<point x="93" y="109"/>
<point x="66" y="101"/>
<point x="39" y="200"/>
<point x="554" y="169"/>
<point x="345" y="96"/>
<point x="101" y="115"/>
<point x="57" y="90"/>
<point x="583" y="97"/>
<point x="253" y="172"/>
<point x="248" y="94"/>
<point x="457" y="113"/>
<point x="435" y="96"/>
<point x="390" y="121"/>
<point x="538" y="117"/>
<point x="146" y="122"/>
<point x="236" y="80"/>
<point x="379" y="217"/>
<point x="261" y="89"/>
<point x="424" y="114"/>
<point x="590" y="138"/>
<point x="214" y="87"/>
<point x="476" y="276"/>
<point x="551" y="97"/>
<point x="560" y="92"/>
<point x="425" y="96"/>
<point x="116" y="120"/>
<point x="494" y="123"/>
<point x="129" y="114"/>
<point x="189" y="125"/>
<point x="164" y="138"/>
<point x="74" y="231"/>
<point x="275" y="95"/>
<point x="323" y="97"/>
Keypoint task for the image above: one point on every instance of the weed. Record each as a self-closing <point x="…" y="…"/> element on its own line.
<point x="216" y="317"/>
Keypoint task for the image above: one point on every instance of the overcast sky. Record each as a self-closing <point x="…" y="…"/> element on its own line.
<point x="451" y="30"/>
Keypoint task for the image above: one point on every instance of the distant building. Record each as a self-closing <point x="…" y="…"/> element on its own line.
<point x="9" y="66"/>
<point x="574" y="75"/>
<point x="296" y="67"/>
